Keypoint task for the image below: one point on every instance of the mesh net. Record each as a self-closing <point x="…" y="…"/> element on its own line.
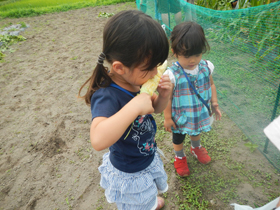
<point x="245" y="46"/>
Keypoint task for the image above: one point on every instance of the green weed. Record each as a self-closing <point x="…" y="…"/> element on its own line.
<point x="251" y="146"/>
<point x="105" y="14"/>
<point x="7" y="41"/>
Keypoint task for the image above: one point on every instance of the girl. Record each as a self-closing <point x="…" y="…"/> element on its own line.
<point x="132" y="172"/>
<point x="188" y="110"/>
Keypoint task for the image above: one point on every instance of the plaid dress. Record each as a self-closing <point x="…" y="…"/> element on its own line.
<point x="188" y="112"/>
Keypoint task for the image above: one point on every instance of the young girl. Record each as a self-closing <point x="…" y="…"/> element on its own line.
<point x="132" y="172"/>
<point x="186" y="113"/>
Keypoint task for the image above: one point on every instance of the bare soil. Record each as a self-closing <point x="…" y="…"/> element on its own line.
<point x="46" y="160"/>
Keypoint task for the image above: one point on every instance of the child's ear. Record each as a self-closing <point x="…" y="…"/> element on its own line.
<point x="173" y="53"/>
<point x="118" y="67"/>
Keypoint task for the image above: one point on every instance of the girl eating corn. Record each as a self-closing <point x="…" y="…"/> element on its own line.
<point x="132" y="172"/>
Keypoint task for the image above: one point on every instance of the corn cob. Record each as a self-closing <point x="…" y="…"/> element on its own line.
<point x="151" y="85"/>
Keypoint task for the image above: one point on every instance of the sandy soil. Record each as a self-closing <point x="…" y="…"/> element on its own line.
<point x="46" y="160"/>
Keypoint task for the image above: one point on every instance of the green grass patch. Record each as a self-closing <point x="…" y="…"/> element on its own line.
<point x="27" y="8"/>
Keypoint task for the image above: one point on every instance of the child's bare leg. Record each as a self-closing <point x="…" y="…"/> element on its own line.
<point x="160" y="204"/>
<point x="278" y="204"/>
<point x="178" y="147"/>
<point x="195" y="141"/>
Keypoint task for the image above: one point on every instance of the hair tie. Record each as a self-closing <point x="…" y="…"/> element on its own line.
<point x="101" y="58"/>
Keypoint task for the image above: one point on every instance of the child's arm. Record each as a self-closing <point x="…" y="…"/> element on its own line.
<point x="164" y="89"/>
<point x="168" y="122"/>
<point x="214" y="100"/>
<point x="104" y="132"/>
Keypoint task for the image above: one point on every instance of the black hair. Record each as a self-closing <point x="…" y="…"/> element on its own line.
<point x="188" y="39"/>
<point x="132" y="38"/>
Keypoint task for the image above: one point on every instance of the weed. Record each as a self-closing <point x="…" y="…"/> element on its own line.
<point x="6" y="41"/>
<point x="67" y="202"/>
<point x="23" y="24"/>
<point x="251" y="146"/>
<point x="105" y="14"/>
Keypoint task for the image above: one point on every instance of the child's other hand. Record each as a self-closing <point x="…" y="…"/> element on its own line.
<point x="168" y="123"/>
<point x="165" y="86"/>
<point x="143" y="103"/>
<point x="216" y="111"/>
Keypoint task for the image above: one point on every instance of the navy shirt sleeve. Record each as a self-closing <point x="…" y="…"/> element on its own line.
<point x="104" y="103"/>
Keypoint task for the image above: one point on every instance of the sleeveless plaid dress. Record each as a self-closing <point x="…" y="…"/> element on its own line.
<point x="188" y="112"/>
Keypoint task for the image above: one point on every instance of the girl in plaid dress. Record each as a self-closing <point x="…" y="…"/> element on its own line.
<point x="186" y="113"/>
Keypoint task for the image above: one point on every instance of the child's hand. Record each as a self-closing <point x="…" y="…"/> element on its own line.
<point x="216" y="110"/>
<point x="143" y="103"/>
<point x="168" y="123"/>
<point x="165" y="86"/>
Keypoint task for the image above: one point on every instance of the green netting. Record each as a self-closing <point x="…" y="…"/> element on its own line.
<point x="245" y="46"/>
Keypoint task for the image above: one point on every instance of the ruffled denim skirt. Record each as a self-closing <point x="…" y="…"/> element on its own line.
<point x="133" y="191"/>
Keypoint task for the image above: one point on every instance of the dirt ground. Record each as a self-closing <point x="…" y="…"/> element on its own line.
<point x="46" y="160"/>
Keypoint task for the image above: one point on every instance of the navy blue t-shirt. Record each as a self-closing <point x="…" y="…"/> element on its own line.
<point x="135" y="150"/>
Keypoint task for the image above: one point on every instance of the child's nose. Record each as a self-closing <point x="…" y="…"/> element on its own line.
<point x="193" y="59"/>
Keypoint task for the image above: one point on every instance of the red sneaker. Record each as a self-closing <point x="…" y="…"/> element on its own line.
<point x="201" y="154"/>
<point x="181" y="166"/>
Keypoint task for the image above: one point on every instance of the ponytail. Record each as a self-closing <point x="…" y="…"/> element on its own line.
<point x="98" y="79"/>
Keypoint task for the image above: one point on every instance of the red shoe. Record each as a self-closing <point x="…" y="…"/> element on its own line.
<point x="160" y="203"/>
<point x="201" y="154"/>
<point x="181" y="166"/>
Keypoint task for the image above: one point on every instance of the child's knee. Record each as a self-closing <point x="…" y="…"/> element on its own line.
<point x="178" y="138"/>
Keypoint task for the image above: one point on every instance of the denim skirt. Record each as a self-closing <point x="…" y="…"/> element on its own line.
<point x="133" y="191"/>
